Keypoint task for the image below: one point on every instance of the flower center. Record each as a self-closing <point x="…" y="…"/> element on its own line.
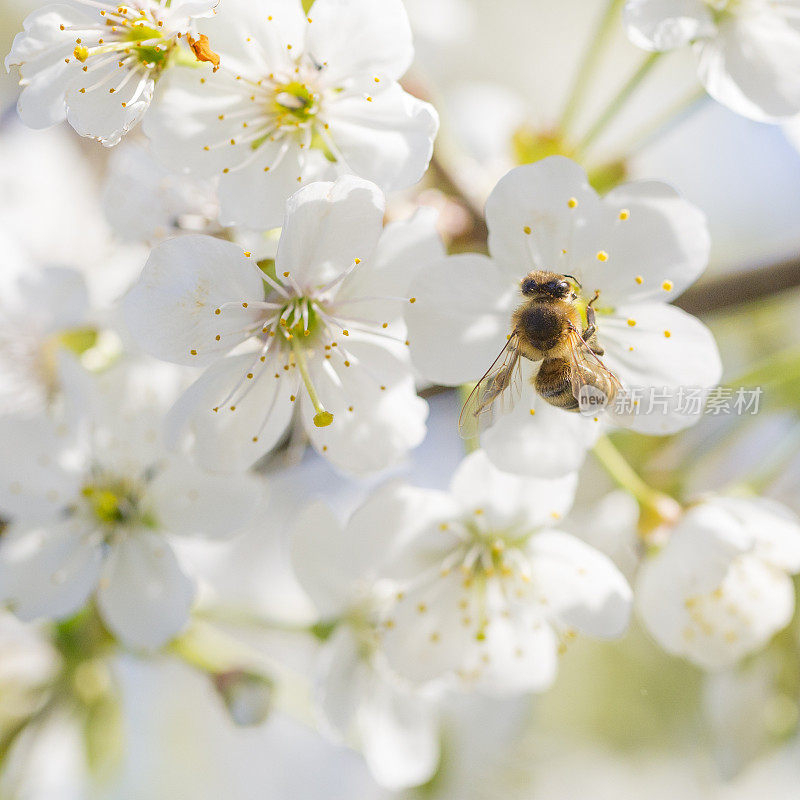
<point x="114" y="502"/>
<point x="157" y="50"/>
<point x="294" y="104"/>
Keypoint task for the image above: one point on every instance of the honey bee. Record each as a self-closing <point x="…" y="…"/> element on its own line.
<point x="548" y="328"/>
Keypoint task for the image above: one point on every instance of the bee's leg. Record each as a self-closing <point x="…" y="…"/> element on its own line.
<point x="590" y="334"/>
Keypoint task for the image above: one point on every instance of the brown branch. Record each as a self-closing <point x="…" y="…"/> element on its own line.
<point x="742" y="287"/>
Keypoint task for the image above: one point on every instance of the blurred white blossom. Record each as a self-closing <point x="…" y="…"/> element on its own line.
<point x="720" y="587"/>
<point x="748" y="50"/>
<point x="92" y="508"/>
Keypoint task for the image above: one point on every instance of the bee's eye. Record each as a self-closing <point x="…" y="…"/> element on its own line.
<point x="528" y="286"/>
<point x="563" y="287"/>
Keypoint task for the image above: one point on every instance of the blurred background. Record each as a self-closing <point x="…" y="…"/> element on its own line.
<point x="624" y="719"/>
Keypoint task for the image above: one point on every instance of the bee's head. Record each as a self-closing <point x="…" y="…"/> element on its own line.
<point x="548" y="285"/>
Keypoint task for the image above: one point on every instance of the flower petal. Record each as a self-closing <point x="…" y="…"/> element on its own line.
<point x="431" y="628"/>
<point x="188" y="501"/>
<point x="377" y="415"/>
<point x="752" y="66"/>
<point x="542" y="216"/>
<point x="547" y="443"/>
<point x="329" y="226"/>
<point x="359" y="38"/>
<point x="459" y="321"/>
<point x="400" y="736"/>
<point x="664" y="358"/>
<point x="508" y="500"/>
<point x="518" y="654"/>
<point x="384" y="135"/>
<point x="42" y="469"/>
<point x="106" y="103"/>
<point x="49" y="569"/>
<point x="231" y="440"/>
<point x="667" y="24"/>
<point x="583" y="587"/>
<point x="655" y="244"/>
<point x="774" y="528"/>
<point x="144" y="597"/>
<point x="172" y="310"/>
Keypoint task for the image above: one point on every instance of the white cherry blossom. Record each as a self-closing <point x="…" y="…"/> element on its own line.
<point x="720" y="587"/>
<point x="92" y="509"/>
<point x="96" y="63"/>
<point x="748" y="51"/>
<point x="360" y="701"/>
<point x="638" y="248"/>
<point x="323" y="333"/>
<point x="297" y="98"/>
<point x="489" y="591"/>
<point x="44" y="316"/>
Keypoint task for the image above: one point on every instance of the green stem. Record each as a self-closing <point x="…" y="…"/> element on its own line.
<point x="663" y="507"/>
<point x="589" y="63"/>
<point x="616" y="104"/>
<point x="664" y="123"/>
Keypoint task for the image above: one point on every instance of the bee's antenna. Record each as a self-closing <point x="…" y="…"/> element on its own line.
<point x="572" y="277"/>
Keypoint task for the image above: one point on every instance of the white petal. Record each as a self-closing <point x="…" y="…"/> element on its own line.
<point x="519" y="654"/>
<point x="103" y="114"/>
<point x="54" y="298"/>
<point x="667" y="24"/>
<point x="171" y="311"/>
<point x="396" y="533"/>
<point x="44" y="54"/>
<point x="431" y="629"/>
<point x="255" y="195"/>
<point x="715" y="630"/>
<point x="253" y="36"/>
<point x="387" y="417"/>
<point x="321" y="562"/>
<point x="659" y="249"/>
<point x="196" y="115"/>
<point x="508" y="500"/>
<point x="360" y="38"/>
<point x="403" y="246"/>
<point x="583" y="588"/>
<point x="384" y="135"/>
<point x="42" y="469"/>
<point x="343" y="679"/>
<point x="226" y="440"/>
<point x="774" y="528"/>
<point x="400" y="736"/>
<point x="188" y="501"/>
<point x="665" y="358"/>
<point x="144" y="597"/>
<point x="537" y="198"/>
<point x="753" y="66"/>
<point x="49" y="569"/>
<point x="328" y="226"/>
<point x="546" y="444"/>
<point x="459" y="321"/>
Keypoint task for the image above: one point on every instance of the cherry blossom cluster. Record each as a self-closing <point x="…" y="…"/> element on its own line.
<point x="278" y="300"/>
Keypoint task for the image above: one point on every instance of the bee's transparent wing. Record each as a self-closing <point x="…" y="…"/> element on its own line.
<point x="594" y="385"/>
<point x="495" y="393"/>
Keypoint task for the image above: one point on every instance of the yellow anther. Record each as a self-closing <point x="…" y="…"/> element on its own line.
<point x="81" y="53"/>
<point x="527" y="229"/>
<point x="322" y="419"/>
<point x="602" y="256"/>
<point x="667" y="286"/>
<point x="639" y="279"/>
<point x="631" y="322"/>
<point x="667" y="334"/>
<point x="572" y="202"/>
<point x="624" y="214"/>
